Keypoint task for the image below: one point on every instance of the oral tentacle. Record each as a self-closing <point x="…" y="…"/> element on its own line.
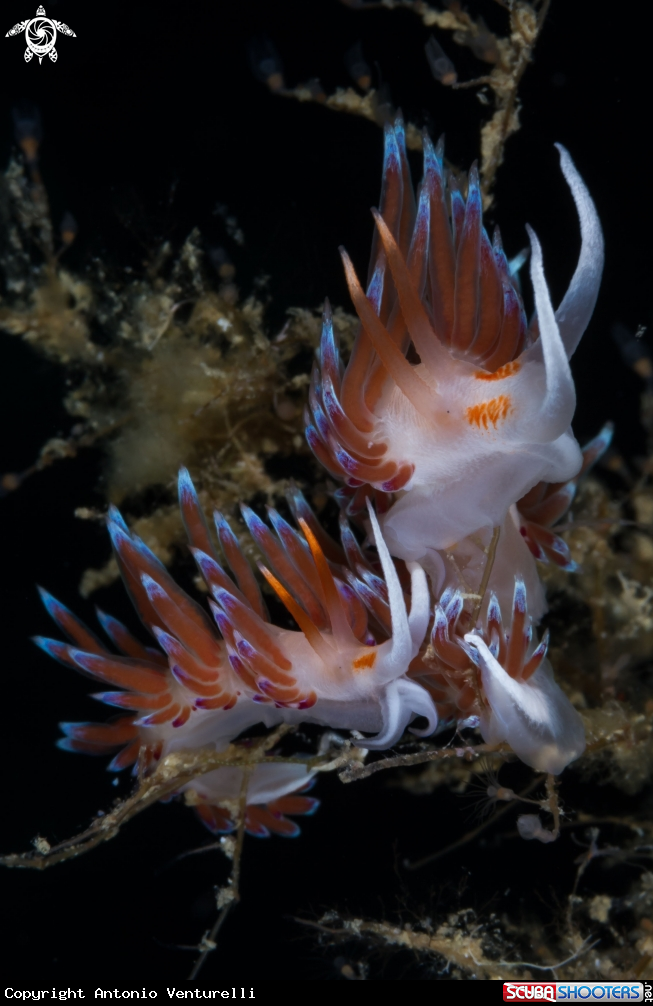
<point x="577" y="306"/>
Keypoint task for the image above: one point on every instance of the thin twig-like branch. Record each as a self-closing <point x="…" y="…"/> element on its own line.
<point x="171" y="774"/>
<point x="551" y="967"/>
<point x="465" y="949"/>
<point x="209" y="942"/>
<point x="357" y="771"/>
<point x="508" y="57"/>
<point x="489" y="563"/>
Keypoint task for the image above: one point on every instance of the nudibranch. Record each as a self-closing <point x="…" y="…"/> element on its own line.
<point x="451" y="404"/>
<point x="451" y="421"/>
<point x="345" y="667"/>
<point x="501" y="680"/>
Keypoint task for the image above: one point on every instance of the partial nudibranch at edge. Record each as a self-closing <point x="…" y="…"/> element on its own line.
<point x="500" y="678"/>
<point x="450" y="404"/>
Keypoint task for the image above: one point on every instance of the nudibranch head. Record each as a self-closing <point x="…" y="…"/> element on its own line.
<point x="449" y="398"/>
<point x="533" y="715"/>
<point x="502" y="679"/>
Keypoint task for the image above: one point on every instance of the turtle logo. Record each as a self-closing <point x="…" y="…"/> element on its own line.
<point x="40" y="35"/>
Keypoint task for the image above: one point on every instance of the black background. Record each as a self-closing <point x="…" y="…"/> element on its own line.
<point x="154" y="98"/>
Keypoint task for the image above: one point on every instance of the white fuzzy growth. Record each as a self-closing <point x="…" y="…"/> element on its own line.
<point x="534" y="717"/>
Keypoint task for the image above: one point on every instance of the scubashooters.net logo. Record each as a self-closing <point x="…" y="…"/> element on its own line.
<point x="40" y="35"/>
<point x="575" y="992"/>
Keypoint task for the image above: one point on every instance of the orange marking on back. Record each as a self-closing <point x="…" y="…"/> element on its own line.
<point x="485" y="413"/>
<point x="367" y="660"/>
<point x="507" y="370"/>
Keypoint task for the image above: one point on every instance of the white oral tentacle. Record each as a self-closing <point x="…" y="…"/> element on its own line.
<point x="393" y="717"/>
<point x="420" y="605"/>
<point x="420" y="703"/>
<point x="578" y="303"/>
<point x="401" y="652"/>
<point x="400" y="701"/>
<point x="557" y="408"/>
